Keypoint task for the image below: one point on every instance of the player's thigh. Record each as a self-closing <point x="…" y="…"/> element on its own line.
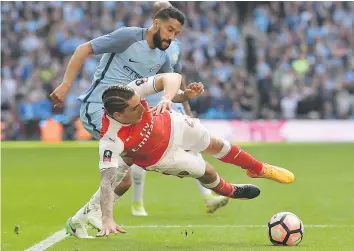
<point x="194" y="136"/>
<point x="181" y="163"/>
<point x="91" y="118"/>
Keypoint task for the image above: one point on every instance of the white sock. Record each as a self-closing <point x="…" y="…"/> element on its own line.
<point x="79" y="214"/>
<point x="95" y="199"/>
<point x="138" y="178"/>
<point x="225" y="150"/>
<point x="203" y="191"/>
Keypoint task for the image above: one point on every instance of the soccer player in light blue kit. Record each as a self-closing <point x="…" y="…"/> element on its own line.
<point x="212" y="202"/>
<point x="129" y="53"/>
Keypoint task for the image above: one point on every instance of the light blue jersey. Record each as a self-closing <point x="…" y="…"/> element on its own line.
<point x="126" y="57"/>
<point x="174" y="52"/>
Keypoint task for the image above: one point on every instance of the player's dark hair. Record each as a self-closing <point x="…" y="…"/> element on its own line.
<point x="170" y="12"/>
<point x="115" y="98"/>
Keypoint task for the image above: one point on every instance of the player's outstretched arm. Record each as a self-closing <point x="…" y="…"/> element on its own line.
<point x="170" y="83"/>
<point x="108" y="184"/>
<point x="192" y="91"/>
<point x="78" y="58"/>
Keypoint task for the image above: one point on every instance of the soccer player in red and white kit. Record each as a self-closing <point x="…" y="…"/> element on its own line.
<point x="158" y="140"/>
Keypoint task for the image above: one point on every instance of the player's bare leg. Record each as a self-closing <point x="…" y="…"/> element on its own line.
<point x="91" y="213"/>
<point x="138" y="179"/>
<point x="213" y="181"/>
<point x="233" y="154"/>
<point x="212" y="202"/>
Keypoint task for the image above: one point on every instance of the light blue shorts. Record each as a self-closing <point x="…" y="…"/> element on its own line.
<point x="178" y="107"/>
<point x="91" y="117"/>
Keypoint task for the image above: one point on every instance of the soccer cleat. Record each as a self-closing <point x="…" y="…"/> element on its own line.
<point x="138" y="209"/>
<point x="214" y="202"/>
<point x="246" y="191"/>
<point x="94" y="216"/>
<point x="275" y="173"/>
<point x="77" y="228"/>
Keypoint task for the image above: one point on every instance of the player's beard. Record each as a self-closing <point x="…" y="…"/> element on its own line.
<point x="158" y="40"/>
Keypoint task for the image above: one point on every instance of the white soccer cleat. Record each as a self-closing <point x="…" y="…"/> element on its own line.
<point x="215" y="202"/>
<point x="94" y="215"/>
<point x="77" y="228"/>
<point x="138" y="209"/>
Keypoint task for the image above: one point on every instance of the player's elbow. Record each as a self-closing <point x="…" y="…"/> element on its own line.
<point x="172" y="77"/>
<point x="84" y="49"/>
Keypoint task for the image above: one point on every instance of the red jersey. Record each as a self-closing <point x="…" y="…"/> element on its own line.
<point x="144" y="142"/>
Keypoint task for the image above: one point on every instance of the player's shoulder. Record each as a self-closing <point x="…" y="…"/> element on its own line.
<point x="133" y="32"/>
<point x="109" y="129"/>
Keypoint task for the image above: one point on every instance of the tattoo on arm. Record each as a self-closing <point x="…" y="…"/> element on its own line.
<point x="108" y="184"/>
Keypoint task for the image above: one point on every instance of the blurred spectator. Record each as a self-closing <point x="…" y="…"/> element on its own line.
<point x="309" y="48"/>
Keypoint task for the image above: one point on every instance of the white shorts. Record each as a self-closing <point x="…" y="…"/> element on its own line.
<point x="183" y="158"/>
<point x="181" y="163"/>
<point x="188" y="133"/>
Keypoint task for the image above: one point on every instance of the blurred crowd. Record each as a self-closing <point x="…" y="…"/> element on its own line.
<point x="305" y="64"/>
<point x="304" y="58"/>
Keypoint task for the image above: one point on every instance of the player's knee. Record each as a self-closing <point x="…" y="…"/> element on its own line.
<point x="126" y="182"/>
<point x="215" y="145"/>
<point x="209" y="176"/>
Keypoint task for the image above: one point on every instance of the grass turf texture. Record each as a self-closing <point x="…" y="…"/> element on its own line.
<point x="42" y="185"/>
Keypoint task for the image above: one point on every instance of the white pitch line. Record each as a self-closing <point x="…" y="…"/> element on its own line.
<point x="61" y="235"/>
<point x="50" y="241"/>
<point x="231" y="226"/>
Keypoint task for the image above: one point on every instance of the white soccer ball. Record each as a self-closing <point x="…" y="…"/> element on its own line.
<point x="285" y="229"/>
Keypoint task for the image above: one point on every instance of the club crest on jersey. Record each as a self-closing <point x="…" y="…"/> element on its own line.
<point x="156" y="67"/>
<point x="107" y="156"/>
<point x="175" y="56"/>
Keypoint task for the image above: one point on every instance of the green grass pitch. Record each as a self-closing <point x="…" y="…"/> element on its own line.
<point x="42" y="185"/>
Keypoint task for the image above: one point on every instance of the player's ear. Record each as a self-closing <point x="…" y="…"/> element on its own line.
<point x="156" y="24"/>
<point x="117" y="115"/>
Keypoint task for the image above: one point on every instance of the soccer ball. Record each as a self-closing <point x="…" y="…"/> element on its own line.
<point x="285" y="229"/>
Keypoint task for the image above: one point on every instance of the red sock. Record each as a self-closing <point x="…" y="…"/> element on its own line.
<point x="224" y="188"/>
<point x="242" y="159"/>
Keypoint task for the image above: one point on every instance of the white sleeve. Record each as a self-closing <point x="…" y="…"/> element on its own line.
<point x="144" y="86"/>
<point x="110" y="150"/>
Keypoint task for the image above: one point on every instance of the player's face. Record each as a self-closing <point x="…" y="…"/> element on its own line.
<point x="133" y="113"/>
<point x="167" y="31"/>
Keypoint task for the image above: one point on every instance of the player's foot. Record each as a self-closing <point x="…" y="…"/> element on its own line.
<point x="94" y="216"/>
<point x="214" y="202"/>
<point x="246" y="191"/>
<point x="77" y="228"/>
<point x="275" y="173"/>
<point x="138" y="209"/>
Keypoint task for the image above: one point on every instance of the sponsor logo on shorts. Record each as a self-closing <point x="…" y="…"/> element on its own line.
<point x="182" y="174"/>
<point x="189" y="121"/>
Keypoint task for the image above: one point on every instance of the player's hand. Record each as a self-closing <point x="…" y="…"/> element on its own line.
<point x="59" y="94"/>
<point x="194" y="89"/>
<point x="109" y="226"/>
<point x="163" y="106"/>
